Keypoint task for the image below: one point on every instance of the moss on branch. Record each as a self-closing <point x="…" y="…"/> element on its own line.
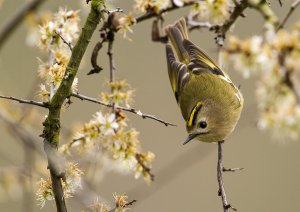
<point x="52" y="122"/>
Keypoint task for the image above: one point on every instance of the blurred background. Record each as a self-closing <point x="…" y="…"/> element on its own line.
<point x="185" y="176"/>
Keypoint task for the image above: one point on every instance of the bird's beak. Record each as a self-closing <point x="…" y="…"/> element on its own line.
<point x="190" y="137"/>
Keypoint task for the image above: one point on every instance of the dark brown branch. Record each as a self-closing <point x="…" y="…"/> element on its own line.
<point x="17" y="19"/>
<point x="155" y="33"/>
<point x="154" y="14"/>
<point x="131" y="110"/>
<point x="292" y="8"/>
<point x="289" y="78"/>
<point x="96" y="68"/>
<point x="24" y="101"/>
<point x="222" y="193"/>
<point x="112" y="68"/>
<point x="222" y="30"/>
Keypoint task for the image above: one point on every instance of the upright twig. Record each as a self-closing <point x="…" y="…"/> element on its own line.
<point x="289" y="77"/>
<point x="112" y="68"/>
<point x="287" y="16"/>
<point x="220" y="167"/>
<point x="17" y="19"/>
<point x="51" y="131"/>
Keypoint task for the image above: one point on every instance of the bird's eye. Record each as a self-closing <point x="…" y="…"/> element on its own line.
<point x="203" y="124"/>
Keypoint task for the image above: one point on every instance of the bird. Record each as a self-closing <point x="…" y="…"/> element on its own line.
<point x="210" y="103"/>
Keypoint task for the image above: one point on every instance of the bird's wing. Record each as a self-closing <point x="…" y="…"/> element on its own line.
<point x="200" y="62"/>
<point x="178" y="72"/>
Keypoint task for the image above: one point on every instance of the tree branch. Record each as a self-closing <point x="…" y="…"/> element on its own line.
<point x="131" y="110"/>
<point x="152" y="14"/>
<point x="96" y="67"/>
<point x="52" y="123"/>
<point x="112" y="68"/>
<point x="220" y="168"/>
<point x="222" y="30"/>
<point x="65" y="42"/>
<point x="16" y="20"/>
<point x="145" y="168"/>
<point x="292" y="8"/>
<point x="24" y="101"/>
<point x="125" y="206"/>
<point x="264" y="8"/>
<point x="192" y="25"/>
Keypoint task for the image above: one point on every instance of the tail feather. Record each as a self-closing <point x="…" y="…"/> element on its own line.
<point x="177" y="33"/>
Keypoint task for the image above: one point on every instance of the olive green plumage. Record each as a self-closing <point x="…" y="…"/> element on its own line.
<point x="210" y="103"/>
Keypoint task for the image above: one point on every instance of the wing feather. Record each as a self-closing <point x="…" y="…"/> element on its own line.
<point x="200" y="60"/>
<point x="178" y="72"/>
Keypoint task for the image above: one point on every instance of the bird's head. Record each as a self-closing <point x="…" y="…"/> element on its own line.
<point x="210" y="121"/>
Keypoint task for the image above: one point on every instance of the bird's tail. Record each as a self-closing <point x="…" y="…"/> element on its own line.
<point x="177" y="33"/>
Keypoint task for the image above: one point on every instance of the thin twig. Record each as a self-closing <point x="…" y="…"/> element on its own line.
<point x="222" y="193"/>
<point x="192" y="25"/>
<point x="292" y="8"/>
<point x="131" y="110"/>
<point x="24" y="101"/>
<point x="17" y="19"/>
<point x="112" y="68"/>
<point x="168" y="9"/>
<point x="232" y="169"/>
<point x="145" y="168"/>
<point x="126" y="205"/>
<point x="117" y="10"/>
<point x="65" y="42"/>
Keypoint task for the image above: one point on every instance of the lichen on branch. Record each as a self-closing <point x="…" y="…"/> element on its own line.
<point x="52" y="123"/>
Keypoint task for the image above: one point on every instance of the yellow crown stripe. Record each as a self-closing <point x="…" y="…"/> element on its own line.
<point x="191" y="118"/>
